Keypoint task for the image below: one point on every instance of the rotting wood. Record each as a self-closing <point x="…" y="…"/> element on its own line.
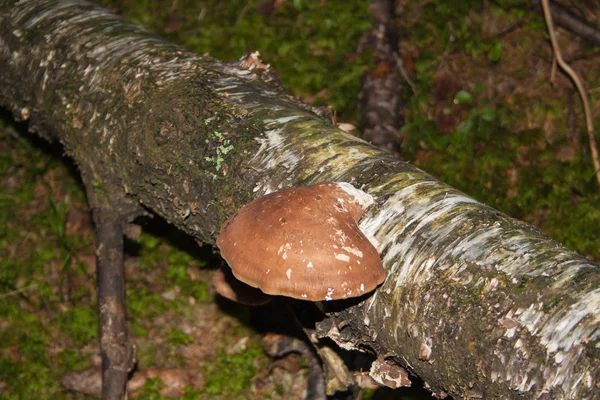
<point x="475" y="303"/>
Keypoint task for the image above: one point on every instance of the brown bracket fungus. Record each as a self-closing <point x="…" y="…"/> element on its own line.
<point x="304" y="243"/>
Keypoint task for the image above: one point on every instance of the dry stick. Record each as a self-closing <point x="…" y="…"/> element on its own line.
<point x="404" y="72"/>
<point x="582" y="93"/>
<point x="571" y="22"/>
<point x="17" y="291"/>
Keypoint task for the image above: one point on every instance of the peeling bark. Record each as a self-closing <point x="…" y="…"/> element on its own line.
<point x="475" y="303"/>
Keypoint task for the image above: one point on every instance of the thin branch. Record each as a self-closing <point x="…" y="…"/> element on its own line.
<point x="582" y="93"/>
<point x="17" y="291"/>
<point x="242" y="14"/>
<point x="404" y="72"/>
<point x="118" y="353"/>
<point x="512" y="27"/>
<point x="573" y="23"/>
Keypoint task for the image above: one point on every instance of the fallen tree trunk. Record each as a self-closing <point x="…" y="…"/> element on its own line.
<point x="475" y="303"/>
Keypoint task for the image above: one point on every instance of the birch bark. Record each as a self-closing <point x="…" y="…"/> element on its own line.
<point x="475" y="303"/>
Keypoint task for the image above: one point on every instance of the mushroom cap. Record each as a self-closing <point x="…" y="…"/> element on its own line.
<point x="303" y="243"/>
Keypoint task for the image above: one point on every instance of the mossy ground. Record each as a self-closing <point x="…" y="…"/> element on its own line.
<point x="492" y="119"/>
<point x="48" y="317"/>
<point x="486" y="117"/>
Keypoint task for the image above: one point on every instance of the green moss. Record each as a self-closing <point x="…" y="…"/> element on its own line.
<point x="366" y="394"/>
<point x="517" y="168"/>
<point x="151" y="255"/>
<point x="137" y="329"/>
<point x="80" y="323"/>
<point x="145" y="354"/>
<point x="312" y="45"/>
<point x="177" y="273"/>
<point x="32" y="345"/>
<point x="152" y="389"/>
<point x="33" y="246"/>
<point x="177" y="337"/>
<point x="231" y="374"/>
<point x="542" y="192"/>
<point x="30" y="380"/>
<point x="192" y="393"/>
<point x="73" y="360"/>
<point x="143" y="304"/>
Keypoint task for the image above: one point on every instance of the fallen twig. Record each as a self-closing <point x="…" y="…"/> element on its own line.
<point x="17" y="291"/>
<point x="582" y="93"/>
<point x="404" y="72"/>
<point x="562" y="17"/>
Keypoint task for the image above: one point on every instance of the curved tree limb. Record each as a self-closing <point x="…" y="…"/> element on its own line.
<point x="475" y="303"/>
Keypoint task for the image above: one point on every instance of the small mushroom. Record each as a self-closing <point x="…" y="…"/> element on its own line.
<point x="227" y="286"/>
<point x="304" y="243"/>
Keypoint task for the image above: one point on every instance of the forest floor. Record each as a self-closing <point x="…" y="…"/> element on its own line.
<point x="488" y="115"/>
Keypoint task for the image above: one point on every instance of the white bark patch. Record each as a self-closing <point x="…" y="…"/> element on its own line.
<point x="271" y="140"/>
<point x="565" y="330"/>
<point x="387" y="312"/>
<point x="491" y="286"/>
<point x="418" y="220"/>
<point x="362" y="198"/>
<point x="273" y="153"/>
<point x="288" y="273"/>
<point x="403" y="222"/>
<point x="281" y="120"/>
<point x="277" y="150"/>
